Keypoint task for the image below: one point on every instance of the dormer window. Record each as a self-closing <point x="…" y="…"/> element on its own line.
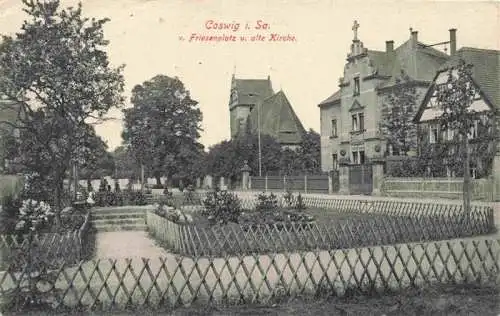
<point x="356" y="86"/>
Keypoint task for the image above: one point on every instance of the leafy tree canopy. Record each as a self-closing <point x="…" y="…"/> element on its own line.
<point x="58" y="75"/>
<point x="163" y="127"/>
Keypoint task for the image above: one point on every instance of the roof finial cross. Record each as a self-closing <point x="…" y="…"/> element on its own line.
<point x="355" y="28"/>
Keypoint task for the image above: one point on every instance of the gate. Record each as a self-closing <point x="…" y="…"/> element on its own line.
<point x="360" y="179"/>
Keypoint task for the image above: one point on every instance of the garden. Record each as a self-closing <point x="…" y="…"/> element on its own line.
<point x="36" y="239"/>
<point x="224" y="224"/>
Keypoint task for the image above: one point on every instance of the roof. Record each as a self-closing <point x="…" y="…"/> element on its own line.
<point x="419" y="64"/>
<point x="485" y="70"/>
<point x="251" y="91"/>
<point x="331" y="99"/>
<point x="485" y="73"/>
<point x="278" y="119"/>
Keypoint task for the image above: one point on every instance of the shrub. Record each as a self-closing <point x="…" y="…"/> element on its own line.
<point x="172" y="214"/>
<point x="221" y="207"/>
<point x="267" y="203"/>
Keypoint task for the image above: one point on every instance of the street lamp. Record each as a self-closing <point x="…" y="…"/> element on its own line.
<point x="259" y="102"/>
<point x="258" y="131"/>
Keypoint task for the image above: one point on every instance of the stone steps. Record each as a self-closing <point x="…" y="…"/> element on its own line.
<point x="119" y="218"/>
<point x="122" y="227"/>
<point x="112" y="216"/>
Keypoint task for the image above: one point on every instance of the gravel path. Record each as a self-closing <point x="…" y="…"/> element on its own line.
<point x="127" y="244"/>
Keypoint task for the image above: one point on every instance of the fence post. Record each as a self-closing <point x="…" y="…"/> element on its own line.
<point x="330" y="182"/>
<point x="344" y="177"/>
<point x="305" y="183"/>
<point x="265" y="183"/>
<point x="377" y="176"/>
<point x="284" y="183"/>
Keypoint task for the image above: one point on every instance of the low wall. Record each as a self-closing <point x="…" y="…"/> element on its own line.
<point x="448" y="188"/>
<point x="304" y="184"/>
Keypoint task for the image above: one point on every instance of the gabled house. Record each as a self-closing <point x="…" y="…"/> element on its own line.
<point x="434" y="141"/>
<point x="254" y="107"/>
<point x="350" y="118"/>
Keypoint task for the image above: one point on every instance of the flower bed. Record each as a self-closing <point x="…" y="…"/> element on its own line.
<point x="172" y="214"/>
<point x="37" y="239"/>
<point x="223" y="227"/>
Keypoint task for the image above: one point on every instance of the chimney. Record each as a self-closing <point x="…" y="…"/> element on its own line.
<point x="414" y="39"/>
<point x="453" y="41"/>
<point x="389" y="47"/>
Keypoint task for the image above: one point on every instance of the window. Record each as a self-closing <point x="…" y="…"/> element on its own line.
<point x="355" y="157"/>
<point x="361" y="157"/>
<point x="356" y="86"/>
<point x="450" y="133"/>
<point x="334" y="128"/>
<point x="335" y="162"/>
<point x="473" y="130"/>
<point x="358" y="122"/>
<point x="433" y="134"/>
<point x="393" y="150"/>
<point x="355" y="122"/>
<point x="358" y="157"/>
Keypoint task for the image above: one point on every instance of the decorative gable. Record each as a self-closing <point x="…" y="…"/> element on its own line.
<point x="430" y="110"/>
<point x="356" y="106"/>
<point x="233" y="97"/>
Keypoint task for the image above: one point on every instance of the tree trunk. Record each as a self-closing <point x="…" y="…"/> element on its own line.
<point x="158" y="180"/>
<point x="142" y="178"/>
<point x="467" y="180"/>
<point x="58" y="200"/>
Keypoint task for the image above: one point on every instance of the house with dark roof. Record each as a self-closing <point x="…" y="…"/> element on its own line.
<point x="486" y="79"/>
<point x="255" y="106"/>
<point x="351" y="116"/>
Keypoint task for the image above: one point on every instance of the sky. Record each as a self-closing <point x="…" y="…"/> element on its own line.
<point x="145" y="36"/>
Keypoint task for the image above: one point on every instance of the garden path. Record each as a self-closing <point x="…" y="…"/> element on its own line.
<point x="127" y="244"/>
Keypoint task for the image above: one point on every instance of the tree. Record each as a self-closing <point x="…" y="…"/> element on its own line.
<point x="398" y="110"/>
<point x="310" y="153"/>
<point x="95" y="160"/>
<point x="57" y="72"/>
<point x="162" y="126"/>
<point x="125" y="165"/>
<point x="454" y="99"/>
<point x="226" y="158"/>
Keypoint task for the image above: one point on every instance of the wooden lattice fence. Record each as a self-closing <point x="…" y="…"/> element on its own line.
<point x="348" y="233"/>
<point x="175" y="280"/>
<point x="51" y="248"/>
<point x="403" y="208"/>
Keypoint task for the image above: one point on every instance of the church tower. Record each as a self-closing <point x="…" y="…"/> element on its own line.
<point x="244" y="96"/>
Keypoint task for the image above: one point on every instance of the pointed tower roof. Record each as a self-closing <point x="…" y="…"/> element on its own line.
<point x="278" y="119"/>
<point x="251" y="91"/>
